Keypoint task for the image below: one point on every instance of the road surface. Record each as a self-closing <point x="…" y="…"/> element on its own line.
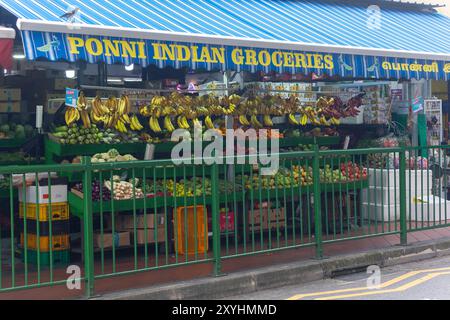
<point x="424" y="280"/>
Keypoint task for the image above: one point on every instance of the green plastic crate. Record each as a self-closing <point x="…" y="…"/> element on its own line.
<point x="59" y="257"/>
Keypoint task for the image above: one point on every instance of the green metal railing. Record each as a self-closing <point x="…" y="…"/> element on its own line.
<point x="151" y="215"/>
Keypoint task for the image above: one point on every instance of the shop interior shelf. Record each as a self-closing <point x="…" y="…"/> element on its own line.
<point x="321" y="141"/>
<point x="77" y="203"/>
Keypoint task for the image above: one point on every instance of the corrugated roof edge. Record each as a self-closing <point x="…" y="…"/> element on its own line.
<point x="393" y="4"/>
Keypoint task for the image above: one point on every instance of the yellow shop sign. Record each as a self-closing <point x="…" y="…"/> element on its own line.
<point x="239" y="56"/>
<point x="108" y="48"/>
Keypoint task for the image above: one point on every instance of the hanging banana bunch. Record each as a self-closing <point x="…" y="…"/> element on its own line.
<point x="71" y="115"/>
<point x="255" y="122"/>
<point x="209" y="123"/>
<point x="243" y="120"/>
<point x="98" y="110"/>
<point x="135" y="125"/>
<point x="182" y="122"/>
<point x="82" y="107"/>
<point x="123" y="109"/>
<point x="168" y="125"/>
<point x="292" y="120"/>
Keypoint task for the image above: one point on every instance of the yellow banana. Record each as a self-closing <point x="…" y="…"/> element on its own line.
<point x="267" y="121"/>
<point x="71" y="115"/>
<point x="255" y="123"/>
<point x="168" y="124"/>
<point x="196" y="123"/>
<point x="154" y="124"/>
<point x="185" y="122"/>
<point x="85" y="118"/>
<point x="209" y="123"/>
<point x="304" y="120"/>
<point x="243" y="120"/>
<point x="293" y="120"/>
<point x="136" y="122"/>
<point x="125" y="118"/>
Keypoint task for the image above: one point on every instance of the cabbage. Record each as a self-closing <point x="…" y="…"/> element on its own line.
<point x="113" y="153"/>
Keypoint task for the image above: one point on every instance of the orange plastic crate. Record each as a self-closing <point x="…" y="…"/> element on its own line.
<point x="185" y="221"/>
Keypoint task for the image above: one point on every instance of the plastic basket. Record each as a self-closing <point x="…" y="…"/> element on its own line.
<point x="191" y="230"/>
<point x="59" y="211"/>
<point x="59" y="242"/>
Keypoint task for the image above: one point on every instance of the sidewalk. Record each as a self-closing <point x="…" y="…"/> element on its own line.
<point x="265" y="266"/>
<point x="252" y="273"/>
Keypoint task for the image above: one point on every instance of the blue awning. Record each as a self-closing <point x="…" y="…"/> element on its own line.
<point x="281" y="35"/>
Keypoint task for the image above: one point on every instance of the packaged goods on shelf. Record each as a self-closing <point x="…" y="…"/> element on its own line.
<point x="10" y="106"/>
<point x="10" y="95"/>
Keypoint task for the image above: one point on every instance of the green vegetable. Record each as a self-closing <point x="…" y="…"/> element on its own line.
<point x="4" y="128"/>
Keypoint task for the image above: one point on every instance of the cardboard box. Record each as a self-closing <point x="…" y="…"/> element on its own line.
<point x="125" y="222"/>
<point x="140" y="235"/>
<point x="275" y="215"/>
<point x="226" y="221"/>
<point x="255" y="222"/>
<point x="10" y="95"/>
<point x="58" y="193"/>
<point x="120" y="239"/>
<point x="269" y="217"/>
<point x="11" y="106"/>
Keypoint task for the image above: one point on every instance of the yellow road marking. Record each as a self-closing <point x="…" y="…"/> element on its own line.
<point x="383" y="285"/>
<point x="399" y="289"/>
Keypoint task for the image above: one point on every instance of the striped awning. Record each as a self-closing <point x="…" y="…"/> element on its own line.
<point x="315" y="36"/>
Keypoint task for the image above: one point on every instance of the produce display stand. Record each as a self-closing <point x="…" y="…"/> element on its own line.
<point x="11" y="143"/>
<point x="54" y="149"/>
<point x="150" y="203"/>
<point x="294" y="192"/>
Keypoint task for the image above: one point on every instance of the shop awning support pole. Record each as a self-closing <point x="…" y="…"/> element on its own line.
<point x="317" y="204"/>
<point x="88" y="230"/>
<point x="402" y="186"/>
<point x="215" y="219"/>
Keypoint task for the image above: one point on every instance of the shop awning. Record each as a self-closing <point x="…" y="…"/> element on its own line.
<point x="316" y="36"/>
<point x="7" y="36"/>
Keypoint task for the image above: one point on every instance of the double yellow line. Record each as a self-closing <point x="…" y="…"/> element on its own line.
<point x="365" y="291"/>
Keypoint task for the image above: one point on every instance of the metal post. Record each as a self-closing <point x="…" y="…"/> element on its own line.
<point x="88" y="229"/>
<point x="402" y="186"/>
<point x="317" y="204"/>
<point x="215" y="219"/>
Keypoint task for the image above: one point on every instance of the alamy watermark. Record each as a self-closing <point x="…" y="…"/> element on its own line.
<point x="374" y="17"/>
<point x="73" y="281"/>
<point x="191" y="149"/>
<point x="374" y="280"/>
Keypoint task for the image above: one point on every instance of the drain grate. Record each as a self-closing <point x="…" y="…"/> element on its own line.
<point x="347" y="271"/>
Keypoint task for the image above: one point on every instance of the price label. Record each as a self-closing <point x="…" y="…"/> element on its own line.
<point x="71" y="97"/>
